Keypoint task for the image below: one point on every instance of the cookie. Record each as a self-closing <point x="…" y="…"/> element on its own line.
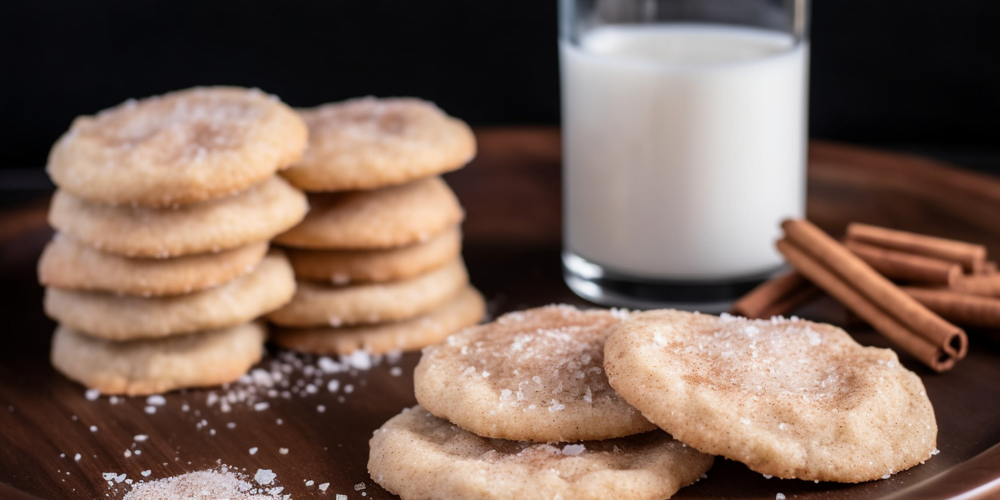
<point x="127" y="317"/>
<point x="418" y="456"/>
<point x="368" y="143"/>
<point x="254" y="215"/>
<point x="460" y="311"/>
<point x="383" y="218"/>
<point x="788" y="398"/>
<point x="532" y="375"/>
<point x="341" y="267"/>
<point x="153" y="366"/>
<point x="327" y="305"/>
<point x="68" y="264"/>
<point x="183" y="147"/>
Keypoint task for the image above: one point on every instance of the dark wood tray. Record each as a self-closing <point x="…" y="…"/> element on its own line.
<point x="512" y="196"/>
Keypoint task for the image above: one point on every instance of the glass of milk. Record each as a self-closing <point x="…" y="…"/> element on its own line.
<point x="684" y="146"/>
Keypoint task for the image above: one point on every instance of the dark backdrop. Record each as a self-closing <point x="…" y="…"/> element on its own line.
<point x="917" y="74"/>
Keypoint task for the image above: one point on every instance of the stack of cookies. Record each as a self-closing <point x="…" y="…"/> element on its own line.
<point x="378" y="259"/>
<point x="557" y="402"/>
<point x="164" y="213"/>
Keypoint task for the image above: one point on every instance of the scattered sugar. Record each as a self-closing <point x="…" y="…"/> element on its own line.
<point x="310" y="482"/>
<point x="93" y="428"/>
<point x="264" y="476"/>
<point x="340" y="496"/>
<point x="359" y="486"/>
<point x="92" y="394"/>
<point x="779" y="496"/>
<point x="150" y="410"/>
<point x="146" y="473"/>
<point x="224" y="482"/>
<point x="77" y="457"/>
<point x="935" y="451"/>
<point x="140" y="438"/>
<point x="261" y="406"/>
<point x="395" y="371"/>
<point x="253" y="451"/>
<point x="231" y="425"/>
<point x="324" y="486"/>
<point x="283" y="451"/>
<point x="156" y="400"/>
<point x="321" y="408"/>
<point x="128" y="453"/>
<point x="573" y="449"/>
<point x="767" y="476"/>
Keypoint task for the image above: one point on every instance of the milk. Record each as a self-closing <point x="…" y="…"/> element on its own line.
<point x="684" y="147"/>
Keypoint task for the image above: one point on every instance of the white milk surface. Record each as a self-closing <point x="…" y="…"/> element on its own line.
<point x="684" y="148"/>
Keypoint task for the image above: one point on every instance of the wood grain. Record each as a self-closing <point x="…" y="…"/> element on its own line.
<point x="512" y="196"/>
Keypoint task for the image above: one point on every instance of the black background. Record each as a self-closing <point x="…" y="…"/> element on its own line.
<point x="918" y="75"/>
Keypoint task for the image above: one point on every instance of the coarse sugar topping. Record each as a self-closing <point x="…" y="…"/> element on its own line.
<point x="540" y="359"/>
<point x="224" y="482"/>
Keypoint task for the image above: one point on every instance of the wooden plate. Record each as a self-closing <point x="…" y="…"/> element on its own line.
<point x="511" y="193"/>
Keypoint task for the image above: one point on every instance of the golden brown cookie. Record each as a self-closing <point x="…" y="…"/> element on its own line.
<point x="327" y="305"/>
<point x="127" y="317"/>
<point x="254" y="215"/>
<point x="183" y="147"/>
<point x="788" y="398"/>
<point x="534" y="375"/>
<point x="383" y="218"/>
<point x="341" y="267"/>
<point x="418" y="456"/>
<point x="460" y="311"/>
<point x="67" y="263"/>
<point x="369" y="143"/>
<point x="153" y="366"/>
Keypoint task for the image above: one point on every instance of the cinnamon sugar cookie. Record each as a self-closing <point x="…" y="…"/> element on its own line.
<point x="788" y="398"/>
<point x="341" y="267"/>
<point x="325" y="305"/>
<point x="66" y="263"/>
<point x="532" y="375"/>
<point x="254" y="215"/>
<point x="183" y="147"/>
<point x="153" y="366"/>
<point x="383" y="218"/>
<point x="464" y="309"/>
<point x="368" y="143"/>
<point x="126" y="317"/>
<point x="418" y="456"/>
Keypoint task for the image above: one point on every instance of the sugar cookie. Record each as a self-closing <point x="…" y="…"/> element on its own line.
<point x="418" y="456"/>
<point x="326" y="305"/>
<point x="341" y="267"/>
<point x="153" y="366"/>
<point x="67" y="263"/>
<point x="533" y="375"/>
<point x="254" y="215"/>
<point x="183" y="147"/>
<point x="368" y="143"/>
<point x="126" y="317"/>
<point x="465" y="309"/>
<point x="788" y="398"/>
<point x="383" y="218"/>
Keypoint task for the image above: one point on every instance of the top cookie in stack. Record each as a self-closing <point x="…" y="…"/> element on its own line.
<point x="164" y="212"/>
<point x="378" y="258"/>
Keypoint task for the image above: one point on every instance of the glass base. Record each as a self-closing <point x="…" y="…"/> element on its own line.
<point x="609" y="288"/>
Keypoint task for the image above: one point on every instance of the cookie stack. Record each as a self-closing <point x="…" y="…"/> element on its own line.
<point x="378" y="259"/>
<point x="521" y="408"/>
<point x="164" y="213"/>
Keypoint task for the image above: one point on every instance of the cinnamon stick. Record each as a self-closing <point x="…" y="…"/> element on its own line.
<point x="775" y="297"/>
<point x="990" y="267"/>
<point x="906" y="266"/>
<point x="978" y="284"/>
<point x="962" y="308"/>
<point x="972" y="257"/>
<point x="931" y="354"/>
<point x="878" y="290"/>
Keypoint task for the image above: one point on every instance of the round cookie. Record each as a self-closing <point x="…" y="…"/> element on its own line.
<point x="418" y="456"/>
<point x="68" y="264"/>
<point x="126" y="317"/>
<point x="788" y="398"/>
<point x="341" y="267"/>
<point x="532" y="375"/>
<point x="153" y="366"/>
<point x="183" y="147"/>
<point x="462" y="310"/>
<point x="326" y="305"/>
<point x="382" y="218"/>
<point x="368" y="143"/>
<point x="254" y="215"/>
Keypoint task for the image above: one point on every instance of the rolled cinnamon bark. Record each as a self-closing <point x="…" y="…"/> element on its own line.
<point x="878" y="290"/>
<point x="978" y="284"/>
<point x="906" y="266"/>
<point x="775" y="297"/>
<point x="972" y="257"/>
<point x="959" y="307"/>
<point x="932" y="355"/>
